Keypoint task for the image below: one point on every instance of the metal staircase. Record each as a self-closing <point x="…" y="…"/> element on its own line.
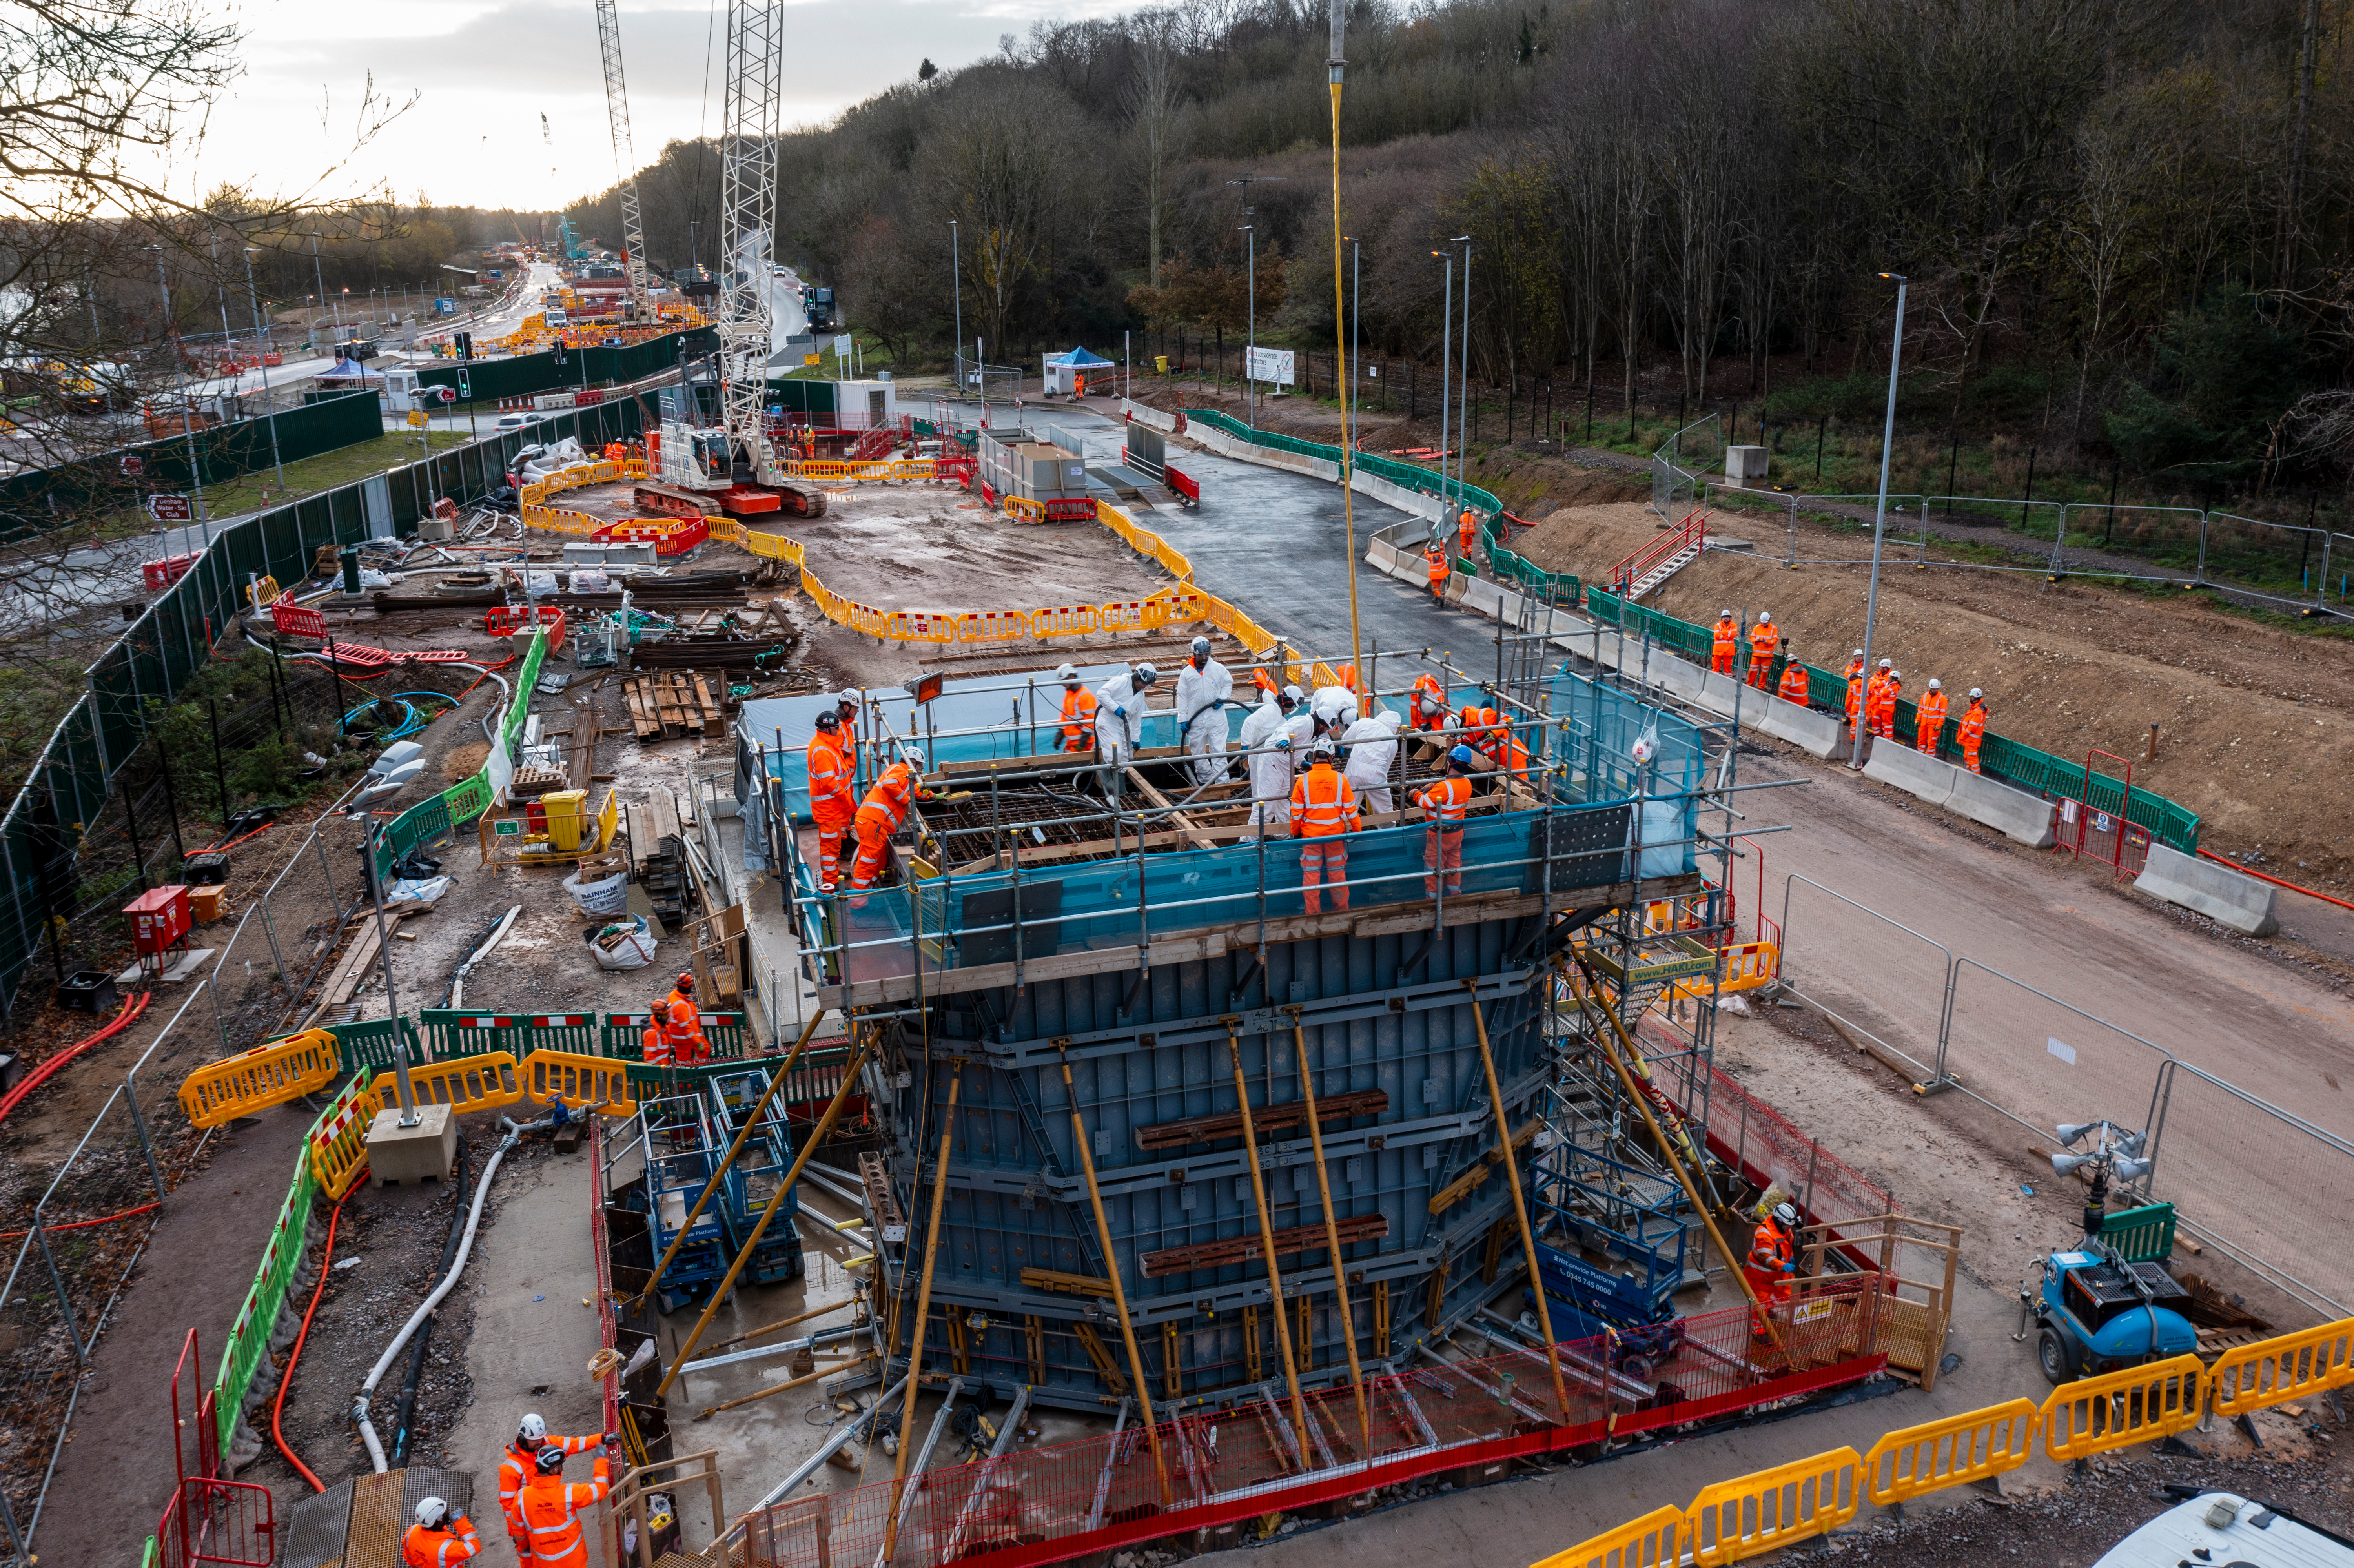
<point x="1663" y="558"/>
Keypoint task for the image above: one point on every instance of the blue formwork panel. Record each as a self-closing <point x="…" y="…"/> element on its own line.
<point x="1387" y="1023"/>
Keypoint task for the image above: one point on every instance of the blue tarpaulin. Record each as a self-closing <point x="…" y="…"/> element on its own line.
<point x="1080" y="360"/>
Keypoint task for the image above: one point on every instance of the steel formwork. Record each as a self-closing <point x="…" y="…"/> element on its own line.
<point x="1390" y="1038"/>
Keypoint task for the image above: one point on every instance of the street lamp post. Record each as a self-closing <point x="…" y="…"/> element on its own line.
<point x="180" y="384"/>
<point x="955" y="282"/>
<point x="261" y="337"/>
<point x="1880" y="513"/>
<point x="1250" y="342"/>
<point x="1463" y="404"/>
<point x="1445" y="372"/>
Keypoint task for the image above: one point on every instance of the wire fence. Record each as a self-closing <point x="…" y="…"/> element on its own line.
<point x="79" y="1213"/>
<point x="2261" y="1184"/>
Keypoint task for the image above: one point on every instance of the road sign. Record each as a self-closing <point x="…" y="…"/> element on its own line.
<point x="810" y="359"/>
<point x="171" y="509"/>
<point x="446" y="394"/>
<point x="133" y="467"/>
<point x="417" y="418"/>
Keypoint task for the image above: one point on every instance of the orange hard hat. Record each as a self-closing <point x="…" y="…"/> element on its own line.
<point x="686" y="981"/>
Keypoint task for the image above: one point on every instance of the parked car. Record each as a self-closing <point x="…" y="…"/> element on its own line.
<point x="514" y="422"/>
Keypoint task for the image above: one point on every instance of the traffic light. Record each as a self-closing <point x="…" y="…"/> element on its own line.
<point x="465" y="342"/>
<point x="465" y="390"/>
<point x="556" y="352"/>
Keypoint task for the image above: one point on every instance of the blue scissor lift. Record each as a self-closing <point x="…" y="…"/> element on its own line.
<point x="768" y="1155"/>
<point x="682" y="1148"/>
<point x="1639" y="1222"/>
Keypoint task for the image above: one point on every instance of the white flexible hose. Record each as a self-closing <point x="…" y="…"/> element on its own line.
<point x="457" y="1266"/>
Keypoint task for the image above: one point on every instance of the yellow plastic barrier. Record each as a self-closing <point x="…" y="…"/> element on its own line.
<point x="1935" y="1455"/>
<point x="993" y="625"/>
<point x="1029" y="510"/>
<point x="2284" y="1367"/>
<point x="2119" y="1409"/>
<point x="1658" y="1540"/>
<point x="220" y="1092"/>
<point x="339" y="1150"/>
<point x="921" y="626"/>
<point x="1065" y="620"/>
<point x="1768" y="1509"/>
<point x="262" y="590"/>
<point x="483" y="1082"/>
<point x="581" y="1083"/>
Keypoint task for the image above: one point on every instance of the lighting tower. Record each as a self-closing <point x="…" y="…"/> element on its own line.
<point x="756" y="59"/>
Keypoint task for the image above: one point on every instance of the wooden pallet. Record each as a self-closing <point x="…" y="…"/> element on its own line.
<point x="666" y="703"/>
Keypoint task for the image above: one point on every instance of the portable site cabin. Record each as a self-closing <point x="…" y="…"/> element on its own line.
<point x="1063" y="371"/>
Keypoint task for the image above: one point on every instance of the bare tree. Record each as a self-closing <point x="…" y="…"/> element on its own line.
<point x="1153" y="100"/>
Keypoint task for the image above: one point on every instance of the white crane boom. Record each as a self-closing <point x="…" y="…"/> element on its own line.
<point x="625" y="159"/>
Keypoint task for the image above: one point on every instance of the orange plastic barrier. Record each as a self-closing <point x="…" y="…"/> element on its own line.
<point x="2284" y="1367"/>
<point x="1766" y="1510"/>
<point x="483" y="1082"/>
<point x="220" y="1092"/>
<point x="2119" y="1409"/>
<point x="339" y="1148"/>
<point x="1935" y="1455"/>
<point x="1658" y="1540"/>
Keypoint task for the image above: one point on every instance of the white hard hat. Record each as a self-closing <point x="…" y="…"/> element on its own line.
<point x="1976" y="693"/>
<point x="912" y="757"/>
<point x="1324" y="748"/>
<point x="1787" y="1213"/>
<point x="1293" y="695"/>
<point x="1200" y="645"/>
<point x="1859" y="653"/>
<point x="1724" y="615"/>
<point x="1066" y="671"/>
<point x="431" y="1511"/>
<point x="849" y="699"/>
<point x="1147" y="673"/>
<point x="1896" y="675"/>
<point x="1764" y="616"/>
<point x="1933" y="683"/>
<point x="532" y="1429"/>
<point x="1884" y="665"/>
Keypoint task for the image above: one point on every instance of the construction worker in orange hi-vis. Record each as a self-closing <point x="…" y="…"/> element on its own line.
<point x="516" y="1465"/>
<point x="832" y="802"/>
<point x="1323" y="813"/>
<point x="1467" y="531"/>
<point x="1763" y="637"/>
<point x="1723" y="638"/>
<point x="1854" y="664"/>
<point x="1078" y="711"/>
<point x="1873" y="691"/>
<point x="1886" y="728"/>
<point x="1793" y="679"/>
<point x="1434" y="556"/>
<point x="1443" y="805"/>
<point x="1855" y="695"/>
<point x="1426" y="708"/>
<point x="1929" y="722"/>
<point x="881" y="814"/>
<point x="1973" y="729"/>
<point x="674" y="1038"/>
<point x="439" y="1538"/>
<point x="552" y="1510"/>
<point x="1772" y="1263"/>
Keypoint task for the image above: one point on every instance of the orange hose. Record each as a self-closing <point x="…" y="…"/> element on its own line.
<point x="286" y="1378"/>
<point x="131" y="1008"/>
<point x="81" y="1225"/>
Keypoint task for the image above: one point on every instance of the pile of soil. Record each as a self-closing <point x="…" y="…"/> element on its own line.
<point x="2256" y="722"/>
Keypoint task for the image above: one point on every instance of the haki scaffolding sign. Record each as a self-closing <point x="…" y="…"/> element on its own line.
<point x="1273" y="365"/>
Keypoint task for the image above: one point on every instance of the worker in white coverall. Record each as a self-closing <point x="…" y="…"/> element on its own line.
<point x="1258" y="732"/>
<point x="1335" y="708"/>
<point x="1119" y="721"/>
<point x="1204" y="687"/>
<point x="1372" y="744"/>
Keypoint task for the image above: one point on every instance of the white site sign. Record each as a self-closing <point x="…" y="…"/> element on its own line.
<point x="1269" y="365"/>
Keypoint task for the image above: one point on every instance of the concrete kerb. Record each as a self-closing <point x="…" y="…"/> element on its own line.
<point x="2228" y="898"/>
<point x="1143" y="415"/>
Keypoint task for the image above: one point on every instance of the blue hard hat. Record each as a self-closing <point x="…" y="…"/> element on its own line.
<point x="1462" y="756"/>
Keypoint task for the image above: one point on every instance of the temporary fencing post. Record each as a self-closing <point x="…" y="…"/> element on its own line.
<point x="57" y="1281"/>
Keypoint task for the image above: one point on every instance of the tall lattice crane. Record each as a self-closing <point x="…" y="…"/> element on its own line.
<point x="756" y="63"/>
<point x="625" y="159"/>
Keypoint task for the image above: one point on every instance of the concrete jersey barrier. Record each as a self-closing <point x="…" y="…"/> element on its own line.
<point x="1915" y="772"/>
<point x="2006" y="809"/>
<point x="2228" y="898"/>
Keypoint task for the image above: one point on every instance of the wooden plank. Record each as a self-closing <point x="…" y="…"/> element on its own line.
<point x="710" y="718"/>
<point x="1199" y="839"/>
<point x="644" y="719"/>
<point x="1264" y="1118"/>
<point x="1243" y="1248"/>
<point x="354" y="968"/>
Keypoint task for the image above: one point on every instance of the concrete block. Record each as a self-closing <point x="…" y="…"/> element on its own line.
<point x="1915" y="772"/>
<point x="1818" y="735"/>
<point x="2228" y="898"/>
<point x="1144" y="416"/>
<point x="425" y="1152"/>
<point x="2013" y="812"/>
<point x="1744" y="466"/>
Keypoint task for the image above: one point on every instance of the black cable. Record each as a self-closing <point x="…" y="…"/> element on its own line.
<point x="425" y="1331"/>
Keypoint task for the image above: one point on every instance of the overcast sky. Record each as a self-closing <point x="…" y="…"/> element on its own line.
<point x="484" y="76"/>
